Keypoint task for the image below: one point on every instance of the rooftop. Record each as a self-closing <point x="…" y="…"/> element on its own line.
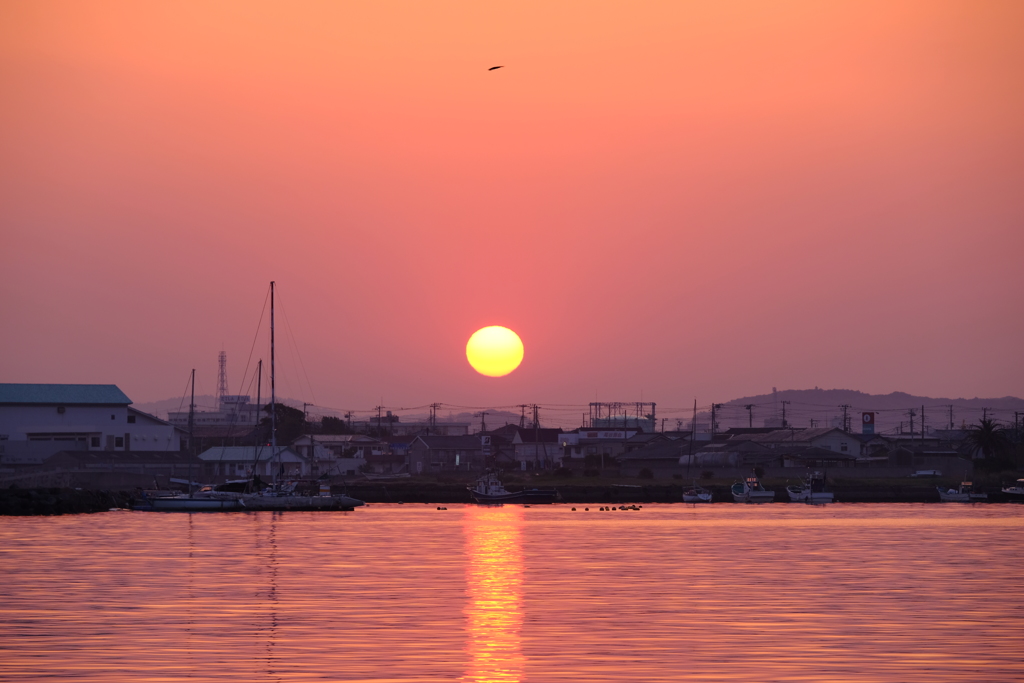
<point x="62" y="394"/>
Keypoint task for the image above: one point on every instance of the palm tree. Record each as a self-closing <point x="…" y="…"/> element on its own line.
<point x="987" y="438"/>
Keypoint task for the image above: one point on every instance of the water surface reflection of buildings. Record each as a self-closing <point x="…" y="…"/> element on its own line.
<point x="494" y="610"/>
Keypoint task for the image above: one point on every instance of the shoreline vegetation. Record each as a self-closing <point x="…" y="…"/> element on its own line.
<point x="16" y="501"/>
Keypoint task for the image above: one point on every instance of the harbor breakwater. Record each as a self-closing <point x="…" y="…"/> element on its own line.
<point x="856" y="492"/>
<point x="60" y="501"/>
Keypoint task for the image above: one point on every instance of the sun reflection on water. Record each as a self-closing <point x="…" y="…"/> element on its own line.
<point x="494" y="612"/>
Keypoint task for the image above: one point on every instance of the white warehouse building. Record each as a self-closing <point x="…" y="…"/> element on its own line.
<point x="37" y="420"/>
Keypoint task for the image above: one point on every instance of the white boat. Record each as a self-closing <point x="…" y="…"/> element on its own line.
<point x="195" y="502"/>
<point x="286" y="496"/>
<point x="750" y="490"/>
<point x="810" y="490"/>
<point x="964" y="494"/>
<point x="489" y="490"/>
<point x="696" y="494"/>
<point x="1015" y="492"/>
<point x="206" y="499"/>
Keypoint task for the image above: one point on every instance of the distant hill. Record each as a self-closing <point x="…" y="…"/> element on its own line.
<point x="824" y="406"/>
<point x="804" y="405"/>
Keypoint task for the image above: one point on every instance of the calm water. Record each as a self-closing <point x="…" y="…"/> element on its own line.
<point x="409" y="593"/>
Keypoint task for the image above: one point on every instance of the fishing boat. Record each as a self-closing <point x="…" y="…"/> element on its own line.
<point x="696" y="494"/>
<point x="964" y="493"/>
<point x="1015" y="492"/>
<point x="489" y="490"/>
<point x="810" y="490"/>
<point x="750" y="490"/>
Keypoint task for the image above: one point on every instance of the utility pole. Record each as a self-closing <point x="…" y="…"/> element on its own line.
<point x="483" y="425"/>
<point x="950" y="415"/>
<point x="522" y="415"/>
<point x="433" y="416"/>
<point x="750" y="415"/>
<point x="784" y="423"/>
<point x="845" y="407"/>
<point x="912" y="414"/>
<point x="313" y="466"/>
<point x="984" y="413"/>
<point x="714" y="409"/>
<point x="536" y="434"/>
<point x="922" y="424"/>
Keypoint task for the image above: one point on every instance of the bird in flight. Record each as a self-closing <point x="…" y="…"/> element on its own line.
<point x="496" y="67"/>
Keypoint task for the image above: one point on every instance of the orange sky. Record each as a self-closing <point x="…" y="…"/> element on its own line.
<point x="680" y="199"/>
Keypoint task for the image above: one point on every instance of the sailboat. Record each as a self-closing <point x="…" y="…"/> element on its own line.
<point x="696" y="494"/>
<point x="283" y="495"/>
<point x="206" y="499"/>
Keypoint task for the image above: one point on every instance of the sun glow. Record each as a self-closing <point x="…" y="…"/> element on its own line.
<point x="494" y="351"/>
<point x="494" y="577"/>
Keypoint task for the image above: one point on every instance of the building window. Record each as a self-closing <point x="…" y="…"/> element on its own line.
<point x="112" y="417"/>
<point x="94" y="442"/>
<point x="131" y="419"/>
<point x="119" y="442"/>
<point x="843" y="448"/>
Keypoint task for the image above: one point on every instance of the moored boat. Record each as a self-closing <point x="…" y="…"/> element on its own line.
<point x="489" y="490"/>
<point x="965" y="493"/>
<point x="750" y="490"/>
<point x="1015" y="492"/>
<point x="696" y="494"/>
<point x="192" y="503"/>
<point x="810" y="490"/>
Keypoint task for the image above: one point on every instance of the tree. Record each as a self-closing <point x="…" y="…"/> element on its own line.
<point x="291" y="424"/>
<point x="334" y="425"/>
<point x="990" y="442"/>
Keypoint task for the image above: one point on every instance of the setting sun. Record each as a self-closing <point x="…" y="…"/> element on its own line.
<point x="494" y="351"/>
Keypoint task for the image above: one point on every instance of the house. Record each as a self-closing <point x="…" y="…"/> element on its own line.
<point x="38" y="420"/>
<point x="732" y="453"/>
<point x="644" y="439"/>
<point x="661" y="459"/>
<point x="828" y="438"/>
<point x="435" y="454"/>
<point x="536" y="448"/>
<point x="242" y="462"/>
<point x="337" y="453"/>
<point x="606" y="443"/>
<point x="818" y="458"/>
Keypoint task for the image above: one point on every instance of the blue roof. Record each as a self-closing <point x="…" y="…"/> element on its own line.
<point x="64" y="394"/>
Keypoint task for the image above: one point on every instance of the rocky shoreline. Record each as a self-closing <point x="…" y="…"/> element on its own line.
<point x="59" y="501"/>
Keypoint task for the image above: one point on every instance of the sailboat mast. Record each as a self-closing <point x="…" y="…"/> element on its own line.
<point x="693" y="435"/>
<point x="191" y="424"/>
<point x="257" y="441"/>
<point x="273" y="388"/>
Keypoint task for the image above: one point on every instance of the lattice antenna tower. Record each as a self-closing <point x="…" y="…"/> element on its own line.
<point x="222" y="376"/>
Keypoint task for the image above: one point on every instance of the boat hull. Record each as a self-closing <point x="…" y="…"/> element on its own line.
<point x="185" y="504"/>
<point x="697" y="498"/>
<point x="257" y="502"/>
<point x="804" y="495"/>
<point x="528" y="497"/>
<point x="754" y="497"/>
<point x="954" y="496"/>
